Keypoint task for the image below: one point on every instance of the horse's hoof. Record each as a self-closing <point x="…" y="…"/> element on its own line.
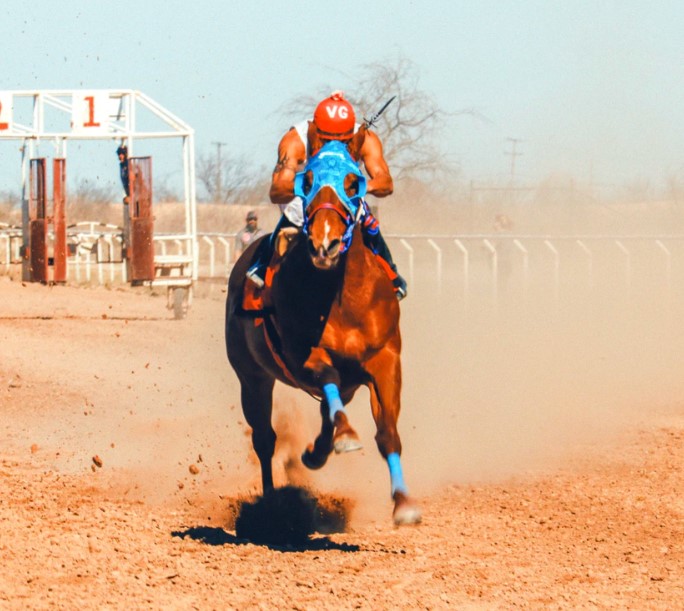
<point x="346" y="444"/>
<point x="313" y="461"/>
<point x="405" y="511"/>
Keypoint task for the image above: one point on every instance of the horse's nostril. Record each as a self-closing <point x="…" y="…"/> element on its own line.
<point x="334" y="248"/>
<point x="312" y="248"/>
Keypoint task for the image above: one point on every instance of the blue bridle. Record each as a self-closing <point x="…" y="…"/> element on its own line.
<point x="329" y="167"/>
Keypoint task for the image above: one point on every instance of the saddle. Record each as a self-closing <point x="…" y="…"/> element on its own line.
<point x="256" y="302"/>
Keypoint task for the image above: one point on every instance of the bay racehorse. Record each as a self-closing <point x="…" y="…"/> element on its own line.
<point x="327" y="322"/>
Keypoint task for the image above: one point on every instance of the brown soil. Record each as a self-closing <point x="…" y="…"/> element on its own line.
<point x="124" y="454"/>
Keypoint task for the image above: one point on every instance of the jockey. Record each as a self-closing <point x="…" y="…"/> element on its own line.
<point x="334" y="119"/>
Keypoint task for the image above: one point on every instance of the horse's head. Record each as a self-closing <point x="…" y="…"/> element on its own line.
<point x="332" y="188"/>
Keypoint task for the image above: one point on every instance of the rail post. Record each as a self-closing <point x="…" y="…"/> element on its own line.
<point x="590" y="261"/>
<point x="438" y="250"/>
<point x="526" y="264"/>
<point x="466" y="272"/>
<point x="495" y="269"/>
<point x="628" y="263"/>
<point x="226" y="246"/>
<point x="409" y="248"/>
<point x="556" y="270"/>
<point x="212" y="254"/>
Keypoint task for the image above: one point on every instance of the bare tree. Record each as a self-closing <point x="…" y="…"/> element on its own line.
<point x="92" y="192"/>
<point x="410" y="126"/>
<point x="10" y="198"/>
<point x="230" y="179"/>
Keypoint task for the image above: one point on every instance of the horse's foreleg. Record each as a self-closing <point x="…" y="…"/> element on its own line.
<point x="316" y="455"/>
<point x="334" y="418"/>
<point x="385" y="393"/>
<point x="257" y="406"/>
<point x="345" y="438"/>
<point x="336" y="432"/>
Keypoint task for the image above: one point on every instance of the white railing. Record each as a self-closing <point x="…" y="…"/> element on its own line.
<point x="483" y="263"/>
<point x="471" y="262"/>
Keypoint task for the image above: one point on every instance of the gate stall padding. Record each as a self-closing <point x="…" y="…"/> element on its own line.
<point x="38" y="224"/>
<point x="59" y="247"/>
<point x="141" y="245"/>
<point x="37" y="252"/>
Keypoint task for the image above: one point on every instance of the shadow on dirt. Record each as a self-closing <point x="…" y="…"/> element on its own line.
<point x="283" y="519"/>
<point x="211" y="535"/>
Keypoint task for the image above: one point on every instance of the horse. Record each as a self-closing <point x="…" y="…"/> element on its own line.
<point x="329" y="324"/>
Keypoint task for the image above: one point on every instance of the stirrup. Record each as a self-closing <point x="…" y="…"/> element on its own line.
<point x="400" y="287"/>
<point x="253" y="275"/>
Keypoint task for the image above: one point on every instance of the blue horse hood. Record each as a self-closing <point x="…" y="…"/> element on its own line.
<point x="329" y="167"/>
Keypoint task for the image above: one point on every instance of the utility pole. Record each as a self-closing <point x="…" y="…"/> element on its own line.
<point x="219" y="183"/>
<point x="513" y="153"/>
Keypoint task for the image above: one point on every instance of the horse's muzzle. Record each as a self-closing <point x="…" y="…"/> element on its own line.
<point x="325" y="257"/>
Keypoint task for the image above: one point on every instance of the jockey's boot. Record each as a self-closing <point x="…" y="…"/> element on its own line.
<point x="257" y="272"/>
<point x="377" y="243"/>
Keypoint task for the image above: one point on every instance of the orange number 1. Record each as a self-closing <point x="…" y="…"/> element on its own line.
<point x="91" y="112"/>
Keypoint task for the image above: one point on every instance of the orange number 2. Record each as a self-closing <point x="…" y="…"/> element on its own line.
<point x="3" y="125"/>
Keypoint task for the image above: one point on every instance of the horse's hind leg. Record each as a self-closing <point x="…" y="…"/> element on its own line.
<point x="257" y="406"/>
<point x="385" y="394"/>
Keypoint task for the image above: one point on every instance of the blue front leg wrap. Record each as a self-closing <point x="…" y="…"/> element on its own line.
<point x="396" y="475"/>
<point x="332" y="395"/>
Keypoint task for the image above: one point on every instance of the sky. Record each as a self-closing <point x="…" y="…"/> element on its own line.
<point x="592" y="89"/>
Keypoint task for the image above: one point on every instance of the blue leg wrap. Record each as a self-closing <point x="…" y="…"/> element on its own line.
<point x="396" y="475"/>
<point x="332" y="394"/>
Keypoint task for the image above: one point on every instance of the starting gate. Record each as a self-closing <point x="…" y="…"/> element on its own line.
<point x="58" y="116"/>
<point x="36" y="249"/>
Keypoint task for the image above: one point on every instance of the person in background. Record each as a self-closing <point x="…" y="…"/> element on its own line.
<point x="122" y="152"/>
<point x="250" y="232"/>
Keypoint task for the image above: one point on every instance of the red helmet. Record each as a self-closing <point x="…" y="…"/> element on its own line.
<point x="334" y="117"/>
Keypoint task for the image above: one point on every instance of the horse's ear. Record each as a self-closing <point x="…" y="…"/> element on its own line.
<point x="355" y="144"/>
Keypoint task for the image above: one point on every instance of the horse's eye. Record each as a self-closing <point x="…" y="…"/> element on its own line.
<point x="307" y="183"/>
<point x="351" y="185"/>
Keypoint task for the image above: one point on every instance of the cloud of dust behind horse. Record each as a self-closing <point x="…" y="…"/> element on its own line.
<point x="516" y="377"/>
<point x="498" y="387"/>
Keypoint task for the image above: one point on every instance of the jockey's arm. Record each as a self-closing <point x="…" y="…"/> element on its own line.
<point x="291" y="155"/>
<point x="380" y="183"/>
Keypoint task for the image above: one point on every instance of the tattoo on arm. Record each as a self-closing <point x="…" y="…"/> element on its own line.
<point x="283" y="163"/>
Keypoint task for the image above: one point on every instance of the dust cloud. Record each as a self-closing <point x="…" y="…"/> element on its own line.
<point x="501" y="375"/>
<point x="523" y="371"/>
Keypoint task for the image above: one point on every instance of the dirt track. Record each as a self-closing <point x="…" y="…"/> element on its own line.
<point x="593" y="517"/>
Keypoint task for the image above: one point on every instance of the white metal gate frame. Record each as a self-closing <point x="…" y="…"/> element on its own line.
<point x="89" y="121"/>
